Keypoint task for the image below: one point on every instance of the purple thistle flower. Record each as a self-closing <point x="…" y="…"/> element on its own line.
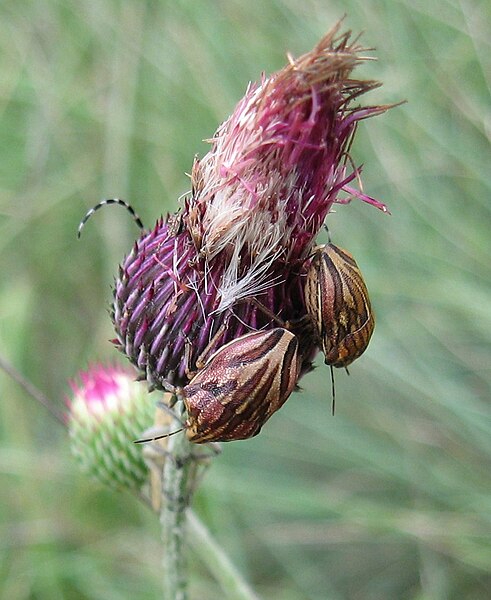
<point x="247" y="229"/>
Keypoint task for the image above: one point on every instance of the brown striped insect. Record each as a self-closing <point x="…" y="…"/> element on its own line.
<point x="339" y="307"/>
<point x="240" y="386"/>
<point x="338" y="304"/>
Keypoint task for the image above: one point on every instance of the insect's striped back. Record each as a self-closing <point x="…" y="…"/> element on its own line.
<point x="241" y="386"/>
<point x="338" y="303"/>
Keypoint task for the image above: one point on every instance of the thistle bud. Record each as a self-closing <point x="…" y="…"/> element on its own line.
<point x="107" y="411"/>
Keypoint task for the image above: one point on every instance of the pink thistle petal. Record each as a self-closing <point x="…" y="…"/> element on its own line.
<point x="100" y="389"/>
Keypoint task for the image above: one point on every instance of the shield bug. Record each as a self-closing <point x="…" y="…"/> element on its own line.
<point x="240" y="386"/>
<point x="338" y="304"/>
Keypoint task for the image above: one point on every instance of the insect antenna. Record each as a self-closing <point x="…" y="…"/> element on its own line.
<point x="106" y="202"/>
<point x="159" y="437"/>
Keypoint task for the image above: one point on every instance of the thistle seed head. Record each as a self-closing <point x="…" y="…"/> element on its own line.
<point x="247" y="228"/>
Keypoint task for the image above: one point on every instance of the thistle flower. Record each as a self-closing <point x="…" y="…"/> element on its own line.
<point x="108" y="410"/>
<point x="246" y="230"/>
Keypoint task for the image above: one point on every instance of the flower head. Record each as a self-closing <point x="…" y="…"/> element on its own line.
<point x="238" y="251"/>
<point x="107" y="411"/>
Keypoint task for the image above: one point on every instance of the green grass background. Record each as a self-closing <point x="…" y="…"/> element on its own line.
<point x="390" y="499"/>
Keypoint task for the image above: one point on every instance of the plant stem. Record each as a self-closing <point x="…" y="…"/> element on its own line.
<point x="180" y="475"/>
<point x="32" y="390"/>
<point x="177" y="480"/>
<point x="218" y="563"/>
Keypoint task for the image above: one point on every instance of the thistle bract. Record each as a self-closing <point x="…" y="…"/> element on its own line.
<point x="248" y="226"/>
<point x="108" y="410"/>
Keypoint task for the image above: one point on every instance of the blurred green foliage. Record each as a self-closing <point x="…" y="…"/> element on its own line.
<point x="390" y="499"/>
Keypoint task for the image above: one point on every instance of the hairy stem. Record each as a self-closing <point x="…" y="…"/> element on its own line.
<point x="177" y="482"/>
<point x="181" y="528"/>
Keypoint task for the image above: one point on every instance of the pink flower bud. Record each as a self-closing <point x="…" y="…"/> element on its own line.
<point x="108" y="410"/>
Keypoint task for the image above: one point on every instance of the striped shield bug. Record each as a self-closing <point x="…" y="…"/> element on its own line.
<point x="240" y="386"/>
<point x="338" y="304"/>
